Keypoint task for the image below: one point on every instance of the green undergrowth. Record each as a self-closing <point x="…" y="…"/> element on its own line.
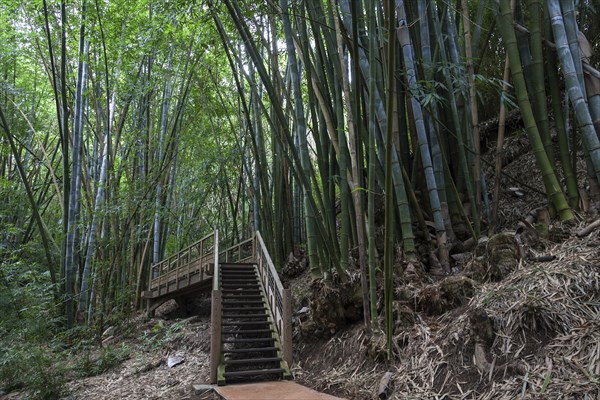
<point x="38" y="355"/>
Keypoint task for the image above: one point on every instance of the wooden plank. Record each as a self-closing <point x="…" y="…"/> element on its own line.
<point x="286" y="334"/>
<point x="215" y="335"/>
<point x="282" y="390"/>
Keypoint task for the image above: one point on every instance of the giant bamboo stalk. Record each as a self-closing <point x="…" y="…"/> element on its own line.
<point x="474" y="109"/>
<point x="75" y="186"/>
<point x="553" y="189"/>
<point x="405" y="42"/>
<point x="537" y="78"/>
<point x="388" y="256"/>
<point x="574" y="87"/>
<point x="383" y="119"/>
<point x="559" y="122"/>
<point x="371" y="167"/>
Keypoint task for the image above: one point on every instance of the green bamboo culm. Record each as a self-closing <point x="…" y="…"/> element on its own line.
<point x="460" y="146"/>
<point x="388" y="256"/>
<point x="559" y="121"/>
<point x="383" y="120"/>
<point x="551" y="184"/>
<point x="372" y="26"/>
<point x="574" y="87"/>
<point x="537" y="77"/>
<point x="423" y="142"/>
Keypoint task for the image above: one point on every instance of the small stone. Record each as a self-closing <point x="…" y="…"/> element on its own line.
<point x="200" y="390"/>
<point x="110" y="331"/>
<point x="108" y="340"/>
<point x="175" y="360"/>
<point x="303" y="310"/>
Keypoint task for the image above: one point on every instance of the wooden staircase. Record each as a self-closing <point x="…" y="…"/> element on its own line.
<point x="251" y="348"/>
<point x="251" y="317"/>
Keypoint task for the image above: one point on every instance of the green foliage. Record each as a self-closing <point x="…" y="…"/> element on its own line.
<point x="27" y="322"/>
<point x="32" y="367"/>
<point x="160" y="335"/>
<point x="90" y="364"/>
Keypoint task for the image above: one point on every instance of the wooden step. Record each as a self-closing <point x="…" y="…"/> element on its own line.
<point x="238" y="309"/>
<point x="245" y="316"/>
<point x="237" y="267"/>
<point x="250" y="350"/>
<point x="236" y="276"/>
<point x="253" y="302"/>
<point x="245" y="323"/>
<point x="233" y="280"/>
<point x="238" y="286"/>
<point x="248" y="340"/>
<point x="242" y="272"/>
<point x="241" y="297"/>
<point x="240" y="291"/>
<point x="247" y="331"/>
<point x="252" y="360"/>
<point x="253" y="372"/>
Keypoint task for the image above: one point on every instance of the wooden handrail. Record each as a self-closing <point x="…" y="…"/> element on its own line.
<point x="216" y="261"/>
<point x="236" y="253"/>
<point x="279" y="299"/>
<point x="215" y="315"/>
<point x="182" y="264"/>
<point x="263" y="249"/>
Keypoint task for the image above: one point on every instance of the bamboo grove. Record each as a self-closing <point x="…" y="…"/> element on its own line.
<point x="347" y="130"/>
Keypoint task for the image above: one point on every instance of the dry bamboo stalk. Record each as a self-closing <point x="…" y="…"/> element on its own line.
<point x="588" y="229"/>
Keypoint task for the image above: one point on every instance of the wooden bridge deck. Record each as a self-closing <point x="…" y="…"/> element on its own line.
<point x="189" y="271"/>
<point x="281" y="390"/>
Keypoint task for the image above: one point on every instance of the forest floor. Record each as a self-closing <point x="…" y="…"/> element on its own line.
<point x="518" y="318"/>
<point x="533" y="333"/>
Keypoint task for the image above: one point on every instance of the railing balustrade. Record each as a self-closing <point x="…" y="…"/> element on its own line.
<point x="242" y="252"/>
<point x="280" y="301"/>
<point x="194" y="260"/>
<point x="202" y="258"/>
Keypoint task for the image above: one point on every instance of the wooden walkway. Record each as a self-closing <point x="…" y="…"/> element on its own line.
<point x="280" y="390"/>
<point x="251" y="315"/>
<point x="249" y="307"/>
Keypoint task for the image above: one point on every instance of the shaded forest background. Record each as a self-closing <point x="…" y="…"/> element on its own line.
<point x="350" y="133"/>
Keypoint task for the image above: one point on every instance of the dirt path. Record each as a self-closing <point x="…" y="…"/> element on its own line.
<point x="146" y="374"/>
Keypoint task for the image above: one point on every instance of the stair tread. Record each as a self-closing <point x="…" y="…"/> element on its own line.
<point x="234" y="286"/>
<point x="252" y="360"/>
<point x="229" y="301"/>
<point x="236" y="309"/>
<point x="254" y="372"/>
<point x="245" y="323"/>
<point x="248" y="331"/>
<point x="239" y="272"/>
<point x="245" y="316"/>
<point x="248" y="277"/>
<point x="248" y="340"/>
<point x="251" y="350"/>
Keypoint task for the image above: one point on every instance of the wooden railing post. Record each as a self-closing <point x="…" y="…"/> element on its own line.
<point x="254" y="247"/>
<point x="215" y="316"/>
<point x="216" y="265"/>
<point x="215" y="335"/>
<point x="286" y="334"/>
